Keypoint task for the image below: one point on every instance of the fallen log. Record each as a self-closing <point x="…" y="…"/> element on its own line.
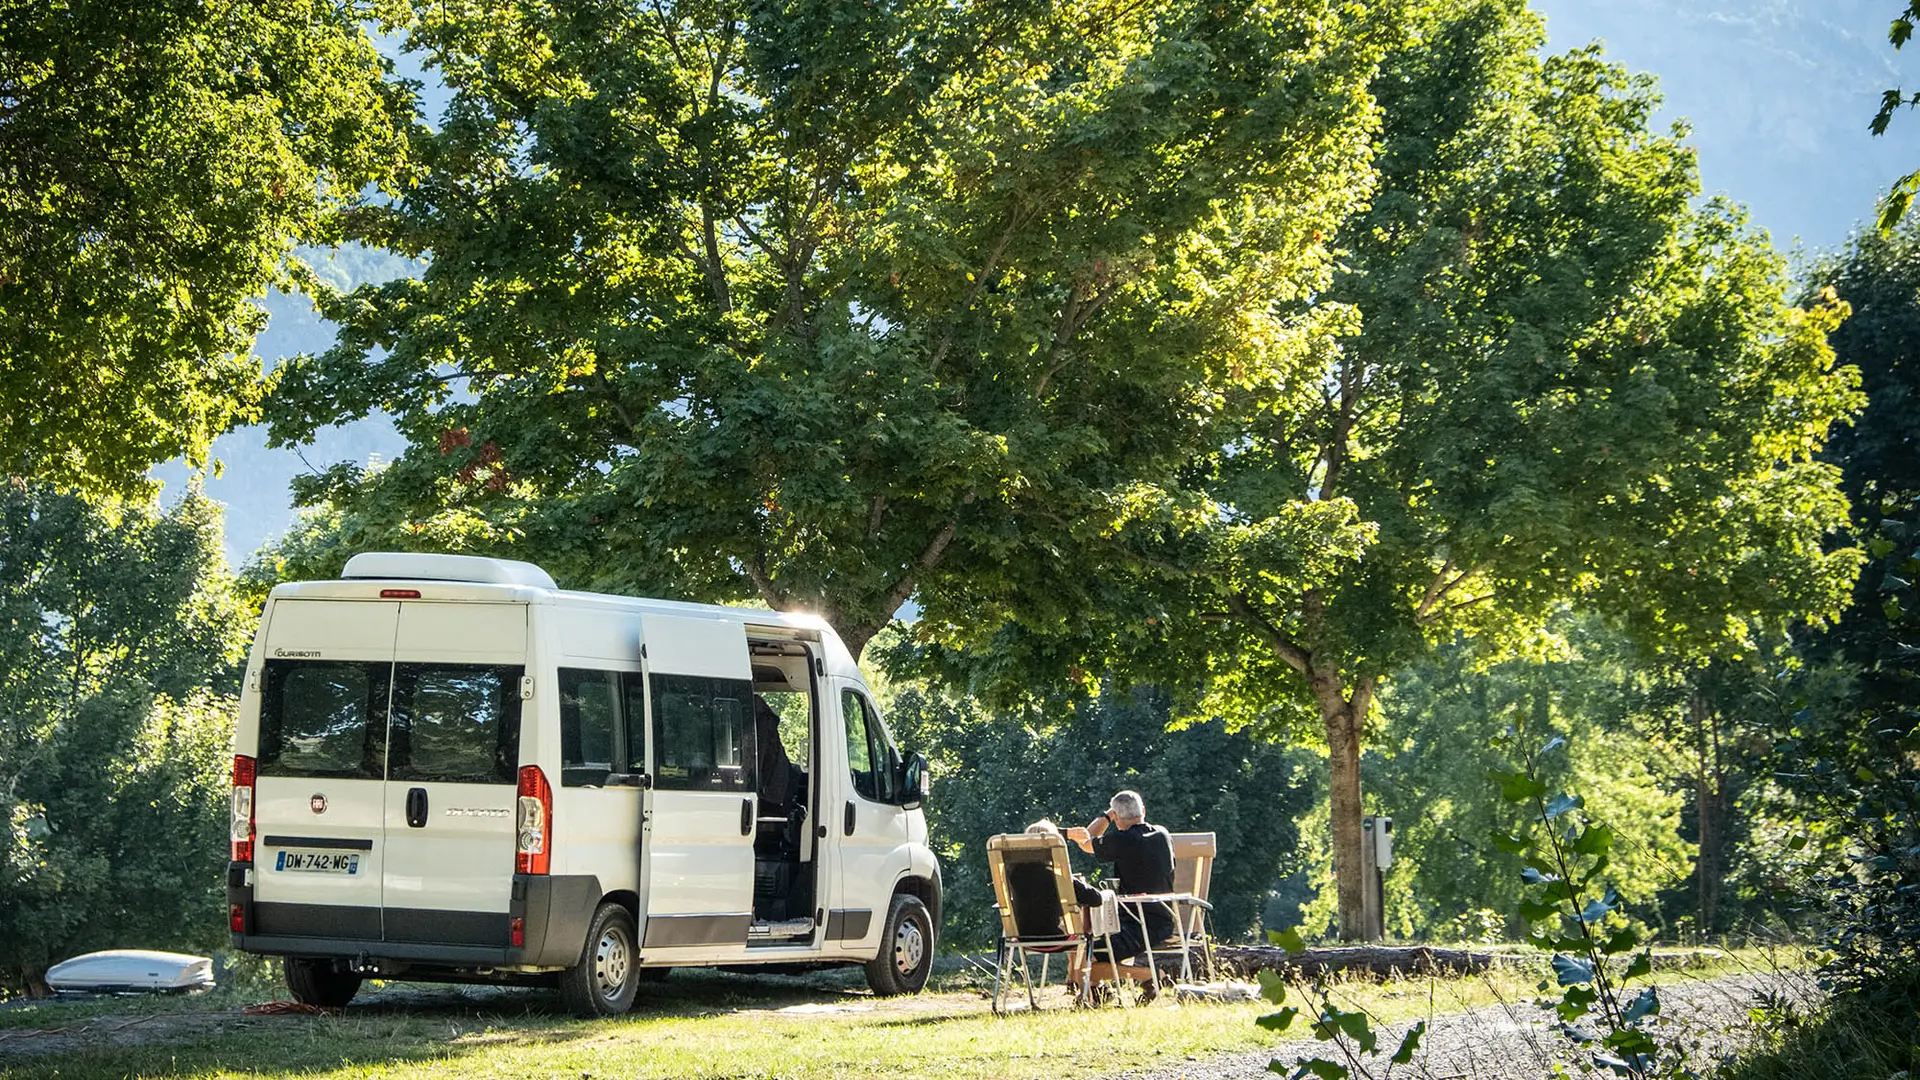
<point x="1392" y="961"/>
<point x="1379" y="961"/>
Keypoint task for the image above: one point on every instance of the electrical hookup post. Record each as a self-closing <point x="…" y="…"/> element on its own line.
<point x="1376" y="854"/>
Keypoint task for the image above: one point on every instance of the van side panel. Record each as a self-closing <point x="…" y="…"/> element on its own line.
<point x="596" y="829"/>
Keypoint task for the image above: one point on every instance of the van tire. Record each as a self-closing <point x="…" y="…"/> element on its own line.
<point x="604" y="981"/>
<point x="906" y="949"/>
<point x="317" y="982"/>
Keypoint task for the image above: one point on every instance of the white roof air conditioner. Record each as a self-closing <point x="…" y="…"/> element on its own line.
<point x="408" y="566"/>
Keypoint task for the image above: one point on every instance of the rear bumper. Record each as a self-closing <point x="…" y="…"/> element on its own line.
<point x="553" y="911"/>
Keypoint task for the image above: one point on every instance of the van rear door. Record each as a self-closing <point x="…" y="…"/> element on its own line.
<point x="449" y="800"/>
<point x="321" y="764"/>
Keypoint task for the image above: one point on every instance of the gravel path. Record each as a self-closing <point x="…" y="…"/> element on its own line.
<point x="1513" y="1042"/>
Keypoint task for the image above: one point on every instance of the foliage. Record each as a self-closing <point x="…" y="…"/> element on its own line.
<point x="158" y="162"/>
<point x="1895" y="205"/>
<point x="1575" y="913"/>
<point x="1349" y="1031"/>
<point x="1571" y="387"/>
<point x="996" y="772"/>
<point x="1435" y="747"/>
<point x="824" y="300"/>
<point x="1858" y="765"/>
<point x="120" y="642"/>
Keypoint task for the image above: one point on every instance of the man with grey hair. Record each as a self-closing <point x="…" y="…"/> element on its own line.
<point x="1142" y="857"/>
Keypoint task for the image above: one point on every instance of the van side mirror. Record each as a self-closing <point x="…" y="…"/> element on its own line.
<point x="916" y="783"/>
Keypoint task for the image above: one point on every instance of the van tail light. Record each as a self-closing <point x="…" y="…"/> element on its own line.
<point x="517" y="933"/>
<point x="237" y="918"/>
<point x="241" y="821"/>
<point x="533" y="833"/>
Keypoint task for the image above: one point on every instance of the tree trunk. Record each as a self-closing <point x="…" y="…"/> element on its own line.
<point x="1710" y="794"/>
<point x="1343" y="798"/>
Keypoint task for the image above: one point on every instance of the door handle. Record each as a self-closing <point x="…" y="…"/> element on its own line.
<point x="848" y="823"/>
<point x="417" y="807"/>
<point x="746" y="817"/>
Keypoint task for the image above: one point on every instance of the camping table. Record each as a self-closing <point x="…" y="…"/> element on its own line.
<point x="1173" y="902"/>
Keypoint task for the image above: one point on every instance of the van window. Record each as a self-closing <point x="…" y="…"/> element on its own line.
<point x="589" y="726"/>
<point x="701" y="738"/>
<point x="869" y="752"/>
<point x="323" y="718"/>
<point x="456" y="723"/>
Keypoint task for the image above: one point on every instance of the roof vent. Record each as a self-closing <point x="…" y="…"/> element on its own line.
<point x="407" y="566"/>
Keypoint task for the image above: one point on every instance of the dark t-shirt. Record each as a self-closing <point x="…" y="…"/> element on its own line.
<point x="1142" y="856"/>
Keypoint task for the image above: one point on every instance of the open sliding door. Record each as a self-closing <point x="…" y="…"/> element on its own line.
<point x="701" y="810"/>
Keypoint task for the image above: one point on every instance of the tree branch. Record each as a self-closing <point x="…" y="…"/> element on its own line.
<point x="763" y="584"/>
<point x="987" y="268"/>
<point x="929" y="558"/>
<point x="1284" y="645"/>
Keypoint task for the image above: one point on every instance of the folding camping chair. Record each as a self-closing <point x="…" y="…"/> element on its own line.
<point x="1039" y="913"/>
<point x="1193" y="875"/>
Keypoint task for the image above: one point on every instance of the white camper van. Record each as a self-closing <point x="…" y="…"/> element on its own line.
<point x="447" y="769"/>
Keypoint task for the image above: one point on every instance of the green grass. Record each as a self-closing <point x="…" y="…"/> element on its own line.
<point x="696" y="1024"/>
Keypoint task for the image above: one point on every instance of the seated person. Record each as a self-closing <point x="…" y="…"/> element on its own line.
<point x="1142" y="856"/>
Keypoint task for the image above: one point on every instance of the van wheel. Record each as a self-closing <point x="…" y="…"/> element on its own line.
<point x="318" y="982"/>
<point x="604" y="981"/>
<point x="906" y="949"/>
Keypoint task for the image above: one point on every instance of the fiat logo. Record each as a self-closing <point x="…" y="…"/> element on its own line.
<point x="318" y="803"/>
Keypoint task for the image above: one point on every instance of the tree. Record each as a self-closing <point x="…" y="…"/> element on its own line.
<point x="121" y="641"/>
<point x="1570" y="387"/>
<point x="823" y="301"/>
<point x="157" y="164"/>
<point x="1442" y="719"/>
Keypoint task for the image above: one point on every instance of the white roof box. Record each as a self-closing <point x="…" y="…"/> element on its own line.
<point x="408" y="566"/>
<point x="122" y="970"/>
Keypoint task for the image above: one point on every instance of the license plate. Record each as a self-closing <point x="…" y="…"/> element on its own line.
<point x="318" y="862"/>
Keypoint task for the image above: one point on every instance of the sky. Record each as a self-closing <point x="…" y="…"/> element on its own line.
<point x="1777" y="94"/>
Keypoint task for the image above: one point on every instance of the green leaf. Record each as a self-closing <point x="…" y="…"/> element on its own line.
<point x="1409" y="1043"/>
<point x="1560" y="804"/>
<point x="1507" y="842"/>
<point x="1576" y="1002"/>
<point x="1322" y="1068"/>
<point x="1272" y="986"/>
<point x="1641" y="965"/>
<point x="1571" y="970"/>
<point x="1288" y="939"/>
<point x="1594" y="840"/>
<point x="1278" y="1021"/>
<point x="1622" y="941"/>
<point x="1646" y="1004"/>
<point x="1519" y="787"/>
<point x="1598" y="909"/>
